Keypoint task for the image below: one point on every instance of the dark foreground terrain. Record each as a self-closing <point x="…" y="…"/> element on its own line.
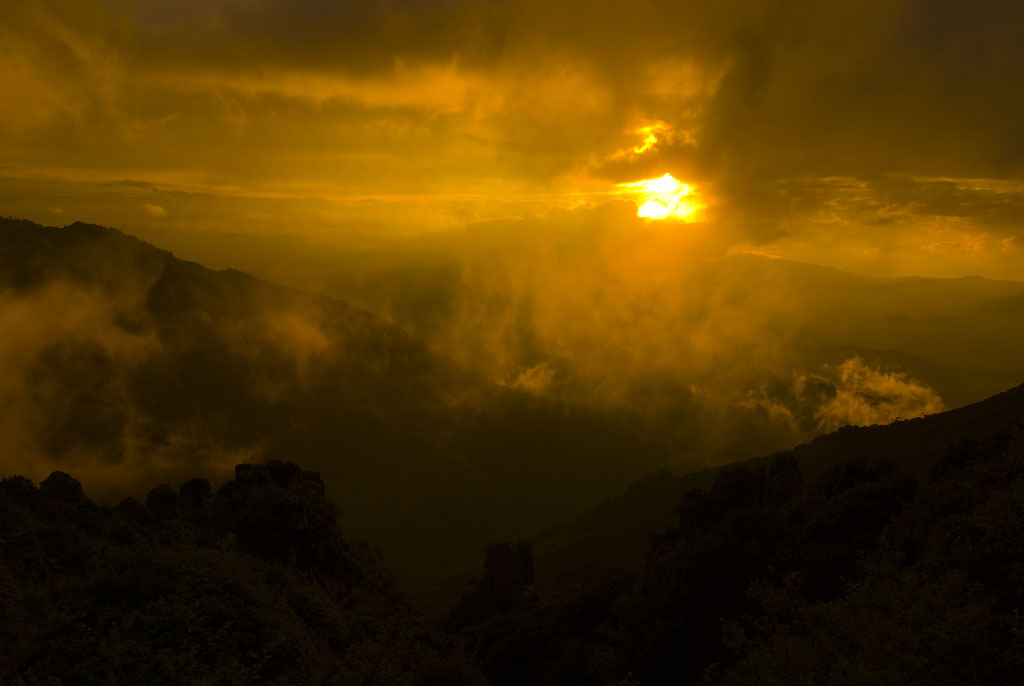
<point x="865" y="569"/>
<point x="253" y="584"/>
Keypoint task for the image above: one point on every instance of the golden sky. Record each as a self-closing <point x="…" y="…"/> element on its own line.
<point x="570" y="198"/>
<point x="880" y="136"/>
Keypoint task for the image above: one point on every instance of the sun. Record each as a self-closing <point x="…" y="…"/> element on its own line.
<point x="663" y="198"/>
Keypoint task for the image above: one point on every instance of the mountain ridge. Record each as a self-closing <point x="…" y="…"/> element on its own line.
<point x="140" y="361"/>
<point x="569" y="554"/>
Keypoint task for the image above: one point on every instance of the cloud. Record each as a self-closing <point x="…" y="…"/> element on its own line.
<point x="536" y="380"/>
<point x="879" y="136"/>
<point x="767" y="90"/>
<point x="154" y="210"/>
<point x="84" y="370"/>
<point x="58" y="338"/>
<point x="864" y="395"/>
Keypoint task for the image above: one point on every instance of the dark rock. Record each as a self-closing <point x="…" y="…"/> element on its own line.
<point x="134" y="511"/>
<point x="195" y="492"/>
<point x="229" y="497"/>
<point x="20" y="490"/>
<point x="508" y="569"/>
<point x="253" y="474"/>
<point x="162" y="501"/>
<point x="284" y="474"/>
<point x="60" y="487"/>
<point x="312" y="480"/>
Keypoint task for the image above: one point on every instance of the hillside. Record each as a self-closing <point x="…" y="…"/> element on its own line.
<point x="251" y="583"/>
<point x="858" y="561"/>
<point x="129" y="366"/>
<point x="615" y="533"/>
<point x="729" y="356"/>
<point x="488" y="298"/>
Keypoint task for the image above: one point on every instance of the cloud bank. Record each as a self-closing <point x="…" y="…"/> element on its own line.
<point x="890" y="129"/>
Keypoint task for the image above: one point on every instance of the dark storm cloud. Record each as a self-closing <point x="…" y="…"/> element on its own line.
<point x="494" y="99"/>
<point x="920" y="87"/>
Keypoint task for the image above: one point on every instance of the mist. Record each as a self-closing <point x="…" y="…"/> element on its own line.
<point x="672" y="323"/>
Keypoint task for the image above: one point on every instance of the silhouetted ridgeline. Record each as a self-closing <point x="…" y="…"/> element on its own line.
<point x="877" y="555"/>
<point x="867" y="573"/>
<point x="129" y="365"/>
<point x="864" y="575"/>
<point x="615" y="532"/>
<point x="251" y="584"/>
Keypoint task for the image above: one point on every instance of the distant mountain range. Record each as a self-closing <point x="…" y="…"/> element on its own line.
<point x="127" y="366"/>
<point x="960" y="336"/>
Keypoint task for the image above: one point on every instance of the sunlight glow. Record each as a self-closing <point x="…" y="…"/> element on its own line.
<point x="650" y="137"/>
<point x="663" y="198"/>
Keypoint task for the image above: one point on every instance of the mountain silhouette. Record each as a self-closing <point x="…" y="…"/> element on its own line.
<point x="615" y="533"/>
<point x="251" y="583"/>
<point x="800" y="567"/>
<point x="876" y="555"/>
<point x="136" y="366"/>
